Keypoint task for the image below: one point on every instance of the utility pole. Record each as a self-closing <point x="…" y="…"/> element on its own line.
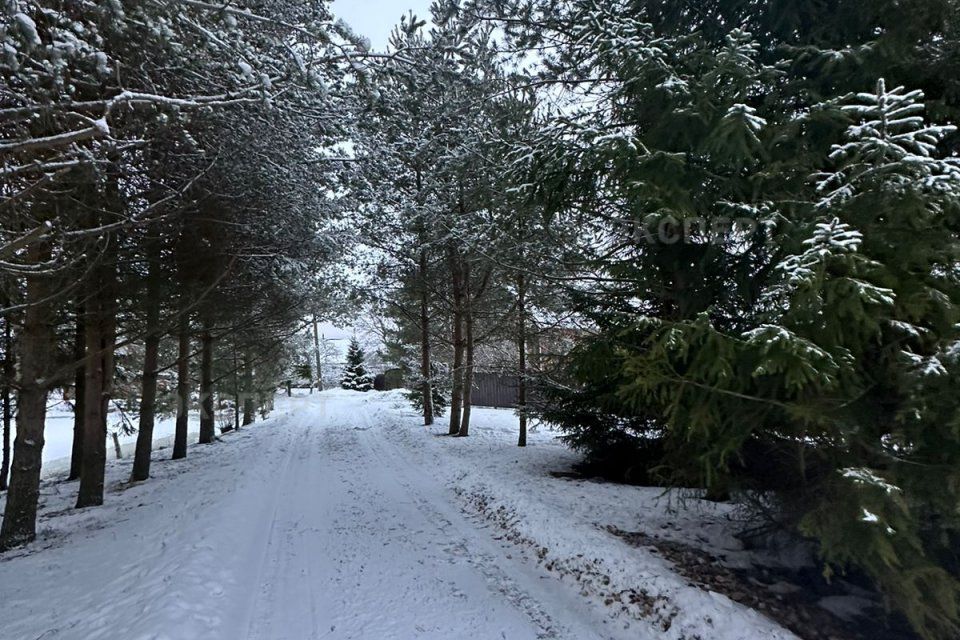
<point x="316" y="352"/>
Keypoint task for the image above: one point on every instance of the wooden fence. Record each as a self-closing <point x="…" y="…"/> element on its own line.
<point x="494" y="390"/>
<point x="489" y="389"/>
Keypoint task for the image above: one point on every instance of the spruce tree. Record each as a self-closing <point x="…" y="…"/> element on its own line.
<point x="355" y="376"/>
<point x="841" y="382"/>
<point x="807" y="356"/>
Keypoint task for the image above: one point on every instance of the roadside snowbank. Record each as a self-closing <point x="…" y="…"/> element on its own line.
<point x="562" y="525"/>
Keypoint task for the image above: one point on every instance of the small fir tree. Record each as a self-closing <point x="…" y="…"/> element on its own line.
<point x="439" y="388"/>
<point x="355" y="376"/>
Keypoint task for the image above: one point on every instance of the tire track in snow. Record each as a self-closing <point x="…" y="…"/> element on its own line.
<point x="274" y="563"/>
<point x="462" y="539"/>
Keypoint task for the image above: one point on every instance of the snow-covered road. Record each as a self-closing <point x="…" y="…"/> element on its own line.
<point x="313" y="525"/>
<point x="361" y="544"/>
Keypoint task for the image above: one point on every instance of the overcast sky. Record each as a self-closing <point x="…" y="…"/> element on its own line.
<point x="376" y="18"/>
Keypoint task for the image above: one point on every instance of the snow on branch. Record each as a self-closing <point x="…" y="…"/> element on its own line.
<point x="249" y="15"/>
<point x="98" y="129"/>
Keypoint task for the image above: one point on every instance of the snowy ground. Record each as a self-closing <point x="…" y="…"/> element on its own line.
<point x="58" y="434"/>
<point x="340" y="517"/>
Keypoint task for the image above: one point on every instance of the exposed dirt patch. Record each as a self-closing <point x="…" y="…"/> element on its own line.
<point x="789" y="597"/>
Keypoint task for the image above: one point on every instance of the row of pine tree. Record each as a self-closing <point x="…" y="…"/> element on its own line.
<point x="165" y="217"/>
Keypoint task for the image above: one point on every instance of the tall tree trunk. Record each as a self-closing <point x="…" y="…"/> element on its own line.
<point x="468" y="348"/>
<point x="207" y="427"/>
<point x="9" y="371"/>
<point x="100" y="328"/>
<point x="456" y="393"/>
<point x="79" y="395"/>
<point x="37" y="344"/>
<point x="236" y="388"/>
<point x="249" y="410"/>
<point x="426" y="365"/>
<point x="316" y="353"/>
<point x="522" y="357"/>
<point x="183" y="388"/>
<point x="109" y="342"/>
<point x="148" y="395"/>
<point x="97" y="334"/>
<point x="426" y="370"/>
<point x="5" y="399"/>
<point x="117" y="451"/>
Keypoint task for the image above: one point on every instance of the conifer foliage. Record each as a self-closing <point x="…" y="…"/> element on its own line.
<point x="355" y="376"/>
<point x="799" y="358"/>
<point x="840" y="364"/>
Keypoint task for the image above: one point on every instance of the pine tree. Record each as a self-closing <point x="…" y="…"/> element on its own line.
<point x="430" y="172"/>
<point x="355" y="376"/>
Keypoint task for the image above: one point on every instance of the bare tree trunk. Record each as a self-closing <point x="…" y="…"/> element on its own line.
<point x="426" y="370"/>
<point x="183" y="388"/>
<point x="468" y="365"/>
<point x="536" y="351"/>
<point x="5" y="398"/>
<point x="207" y="427"/>
<point x="117" y="451"/>
<point x="249" y="410"/>
<point x="148" y="396"/>
<point x="79" y="395"/>
<point x="37" y="344"/>
<point x="522" y="357"/>
<point x="456" y="394"/>
<point x="9" y="371"/>
<point x="426" y="365"/>
<point x="110" y="340"/>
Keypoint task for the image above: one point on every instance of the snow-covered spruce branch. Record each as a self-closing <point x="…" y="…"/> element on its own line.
<point x="49" y="168"/>
<point x="29" y="189"/>
<point x="56" y="295"/>
<point x="45" y="232"/>
<point x="345" y="54"/>
<point x="39" y="268"/>
<point x="100" y="128"/>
